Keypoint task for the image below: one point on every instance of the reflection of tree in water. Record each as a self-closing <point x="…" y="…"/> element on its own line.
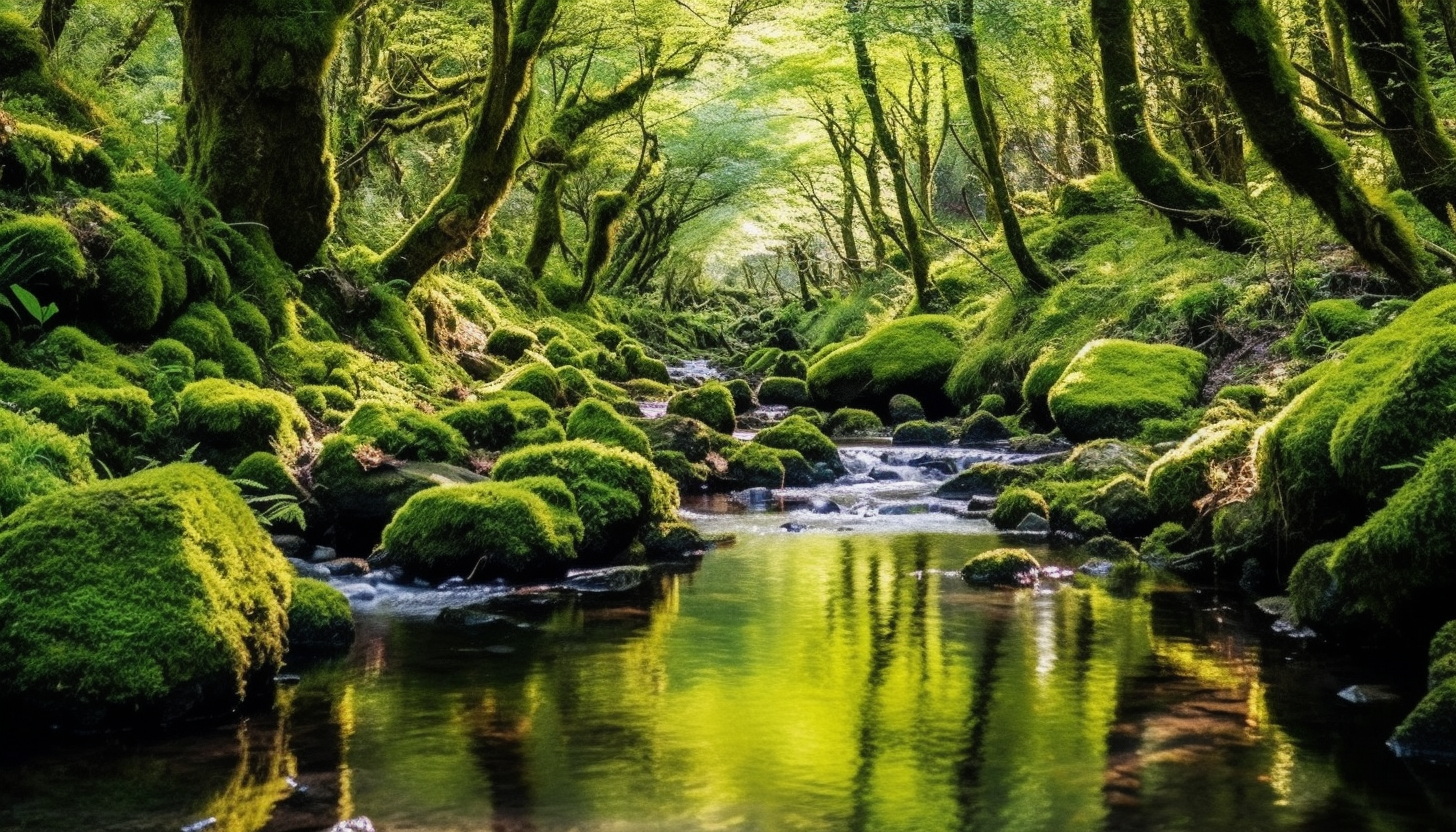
<point x="498" y="735"/>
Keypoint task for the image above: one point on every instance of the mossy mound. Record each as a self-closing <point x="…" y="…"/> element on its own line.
<point x="1105" y="458"/>
<point x="672" y="540"/>
<point x="711" y="404"/>
<point x="993" y="403"/>
<point x="38" y="160"/>
<point x="407" y="433"/>
<point x="596" y="420"/>
<point x="756" y="466"/>
<point x="36" y="459"/>
<point x="689" y="437"/>
<point x="983" y="479"/>
<point x="1001" y="567"/>
<point x="1251" y="397"/>
<point x="505" y="421"/>
<point x="351" y="483"/>
<point x="617" y="492"/>
<point x="1014" y="504"/>
<point x="1107" y="547"/>
<point x="983" y="428"/>
<point x="743" y="398"/>
<point x="487" y="530"/>
<point x="903" y="408"/>
<point x="790" y="365"/>
<point x="640" y="365"/>
<point x="540" y="380"/>
<point x="319" y="619"/>
<point x="330" y="403"/>
<point x="1111" y="387"/>
<point x="687" y="474"/>
<point x="1125" y="506"/>
<point x="913" y="356"/>
<point x="790" y="392"/>
<point x="1093" y="195"/>
<point x="510" y="342"/>
<point x="850" y="421"/>
<point x="1180" y="476"/>
<point x="1328" y="323"/>
<point x="229" y="420"/>
<point x="42" y="254"/>
<point x="922" y="433"/>
<point x="138" y="599"/>
<point x="798" y="434"/>
<point x="1430" y="730"/>
<point x="209" y="334"/>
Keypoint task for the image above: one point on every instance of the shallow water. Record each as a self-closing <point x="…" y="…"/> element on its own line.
<point x="829" y="680"/>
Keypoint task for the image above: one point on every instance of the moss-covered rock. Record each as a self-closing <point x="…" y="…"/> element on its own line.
<point x="1014" y="504"/>
<point x="913" y="356"/>
<point x="674" y="539"/>
<point x="1001" y="567"/>
<point x="711" y="404"/>
<point x="505" y="421"/>
<point x="983" y="428"/>
<point x="903" y="408"/>
<point x="407" y="433"/>
<point x="1125" y="506"/>
<point x="352" y="482"/>
<point x="743" y="399"/>
<point x="130" y="293"/>
<point x="689" y="437"/>
<point x="1328" y="323"/>
<point x="137" y="599"/>
<point x="510" y="342"/>
<point x="1093" y="195"/>
<point x="208" y="333"/>
<point x="1180" y="476"/>
<point x="643" y="366"/>
<point x="756" y="466"/>
<point x="797" y="434"/>
<point x="540" y="380"/>
<point x="36" y="459"/>
<point x="487" y="530"/>
<point x="319" y="618"/>
<point x="687" y="474"/>
<point x="983" y="479"/>
<point x="1102" y="459"/>
<point x="1251" y="397"/>
<point x="993" y="403"/>
<point x="922" y="433"/>
<point x="325" y="401"/>
<point x="42" y="254"/>
<point x="850" y="421"/>
<point x="790" y="392"/>
<point x="229" y="420"/>
<point x="1430" y="730"/>
<point x="594" y="419"/>
<point x="1107" y="547"/>
<point x="1112" y="386"/>
<point x="790" y="365"/>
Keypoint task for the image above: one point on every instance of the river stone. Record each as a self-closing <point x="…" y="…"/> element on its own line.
<point x="939" y="466"/>
<point x="754" y="496"/>
<point x="1275" y="605"/>
<point x="905" y="508"/>
<point x="882" y="475"/>
<point x="854" y="479"/>
<point x="793" y="528"/>
<point x="822" y="506"/>
<point x="291" y="545"/>
<point x="1034" y="522"/>
<point x="1096" y="568"/>
<point x="304" y="569"/>
<point x="614" y="579"/>
<point x="1106" y="458"/>
<point x="359" y="592"/>
<point x="323" y="553"/>
<point x="346" y="567"/>
<point x="1369" y="694"/>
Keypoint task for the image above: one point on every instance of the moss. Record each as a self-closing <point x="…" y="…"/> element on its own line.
<point x="114" y="417"/>
<point x="641" y="365"/>
<point x="1125" y="506"/>
<point x="756" y="466"/>
<point x="790" y="365"/>
<point x="691" y="438"/>
<point x="229" y="420"/>
<point x="1112" y="386"/>
<point x="984" y="479"/>
<point x="1251" y="397"/>
<point x="510" y="342"/>
<point x="903" y="408"/>
<point x="913" y="356"/>
<point x="610" y="337"/>
<point x="1001" y="567"/>
<point x="26" y="75"/>
<point x="791" y="392"/>
<point x="762" y="360"/>
<point x="505" y="421"/>
<point x="407" y="433"/>
<point x="687" y="474"/>
<point x="1328" y="323"/>
<point x="594" y="419"/>
<point x="711" y="404"/>
<point x="323" y="399"/>
<point x="849" y="421"/>
<point x="484" y="531"/>
<point x="37" y="160"/>
<point x="137" y="599"/>
<point x="743" y="399"/>
<point x="1014" y="504"/>
<point x="346" y="489"/>
<point x="1089" y="524"/>
<point x="267" y="471"/>
<point x="1105" y="194"/>
<point x="249" y="325"/>
<point x="617" y="492"/>
<point x="208" y="368"/>
<point x="671" y="540"/>
<point x="982" y="428"/>
<point x="921" y="432"/>
<point x="1110" y="548"/>
<point x="561" y="354"/>
<point x="208" y="333"/>
<point x="1430" y="729"/>
<point x="41" y="252"/>
<point x="319" y="618"/>
<point x="129" y="293"/>
<point x="797" y="434"/>
<point x="1162" y="542"/>
<point x="540" y="380"/>
<point x="173" y="355"/>
<point x="36" y="459"/>
<point x="1181" y="476"/>
<point x="993" y="403"/>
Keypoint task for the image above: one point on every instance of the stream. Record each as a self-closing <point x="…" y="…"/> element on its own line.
<point x="842" y="677"/>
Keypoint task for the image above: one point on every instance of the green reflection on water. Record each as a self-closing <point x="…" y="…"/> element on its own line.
<point x="819" y="682"/>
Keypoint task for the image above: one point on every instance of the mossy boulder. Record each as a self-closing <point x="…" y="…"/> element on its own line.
<point x="229" y="420"/>
<point x="1014" y="504"/>
<point x="42" y="254"/>
<point x="1107" y="547"/>
<point x="922" y="433"/>
<point x="983" y="479"/>
<point x="139" y="599"/>
<point x="330" y="403"/>
<point x="488" y="530"/>
<point x="993" y="403"/>
<point x="851" y="421"/>
<point x="687" y="474"/>
<point x="1001" y="567"/>
<point x="1102" y="459"/>
<point x="664" y="541"/>
<point x="1111" y="387"/>
<point x="352" y="483"/>
<point x="797" y="434"/>
<point x="505" y="421"/>
<point x="756" y="466"/>
<point x="903" y="408"/>
<point x="912" y="355"/>
<point x="1430" y="730"/>
<point x="319" y="619"/>
<point x="982" y="428"/>
<point x="689" y="437"/>
<point x="1124" y="504"/>
<point x="1328" y="323"/>
<point x="1108" y="193"/>
<point x="790" y="392"/>
<point x="790" y="365"/>
<point x="540" y="380"/>
<point x="596" y="420"/>
<point x="1251" y="397"/>
<point x="407" y="433"/>
<point x="711" y="404"/>
<point x="640" y="365"/>
<point x="208" y="333"/>
<point x="131" y="292"/>
<point x="1181" y="476"/>
<point x="37" y="458"/>
<point x="743" y="398"/>
<point x="510" y="342"/>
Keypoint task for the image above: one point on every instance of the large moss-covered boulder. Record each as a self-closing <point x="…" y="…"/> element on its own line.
<point x="797" y="434"/>
<point x="756" y="466"/>
<point x="594" y="419"/>
<point x="852" y="421"/>
<point x="488" y="530"/>
<point x="921" y="432"/>
<point x="1181" y="476"/>
<point x="137" y="599"/>
<point x="1124" y="504"/>
<point x="319" y="618"/>
<point x="353" y="482"/>
<point x="407" y="433"/>
<point x="36" y="459"/>
<point x="781" y="390"/>
<point x="540" y="380"/>
<point x="617" y="492"/>
<point x="1328" y="323"/>
<point x="711" y="404"/>
<point x="640" y="365"/>
<point x="913" y="356"/>
<point x="689" y="437"/>
<point x="510" y="342"/>
<point x="983" y="479"/>
<point x="41" y="253"/>
<point x="1014" y="504"/>
<point x="1001" y="567"/>
<point x="206" y="330"/>
<point x="1112" y="386"/>
<point x="504" y="421"/>
<point x="229" y="420"/>
<point x="1430" y="730"/>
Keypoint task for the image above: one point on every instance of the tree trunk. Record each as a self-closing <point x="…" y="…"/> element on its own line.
<point x="1244" y="41"/>
<point x="52" y="20"/>
<point x="1387" y="47"/>
<point x="1446" y="10"/>
<point x="962" y="14"/>
<point x="607" y="210"/>
<point x="128" y="47"/>
<point x="489" y="152"/>
<point x="1084" y="96"/>
<point x="1158" y="178"/>
<point x="256" y="135"/>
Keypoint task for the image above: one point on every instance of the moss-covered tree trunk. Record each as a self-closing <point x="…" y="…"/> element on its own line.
<point x="256" y="130"/>
<point x="52" y="20"/>
<point x="1084" y="104"/>
<point x="1160" y="180"/>
<point x="1244" y="41"/>
<point x="1387" y="47"/>
<point x="962" y="17"/>
<point x="490" y="150"/>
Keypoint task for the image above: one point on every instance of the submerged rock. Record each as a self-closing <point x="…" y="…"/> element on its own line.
<point x="794" y="528"/>
<point x="884" y="475"/>
<point x="1369" y="694"/>
<point x="822" y="506"/>
<point x="304" y="569"/>
<point x="613" y="579"/>
<point x="1034" y="523"/>
<point x="1001" y="567"/>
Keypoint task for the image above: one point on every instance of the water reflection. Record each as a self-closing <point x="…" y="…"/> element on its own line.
<point x="794" y="683"/>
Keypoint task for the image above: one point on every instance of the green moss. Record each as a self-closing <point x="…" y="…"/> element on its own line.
<point x="41" y="252"/>
<point x="922" y="432"/>
<point x="1328" y="323"/>
<point x="797" y="434"/>
<point x="743" y="400"/>
<point x="1430" y="729"/>
<point x="36" y="459"/>
<point x="130" y="289"/>
<point x="407" y="433"/>
<point x="790" y="392"/>
<point x="540" y="380"/>
<point x="114" y="417"/>
<point x="38" y="159"/>
<point x="610" y="337"/>
<point x="346" y="489"/>
<point x="691" y="438"/>
<point x="982" y="428"/>
<point x="903" y="408"/>
<point x="1105" y="194"/>
<point x="984" y="479"/>
<point x="1180" y="476"/>
<point x="137" y="599"/>
<point x="229" y="420"/>
<point x="249" y="325"/>
<point x="594" y="419"/>
<point x="849" y="421"/>
<point x="1001" y="567"/>
<point x="912" y="356"/>
<point x="319" y="618"/>
<point x="756" y="466"/>
<point x="641" y="365"/>
<point x="1014" y="504"/>
<point x="172" y="355"/>
<point x="1089" y="524"/>
<point x="1112" y="386"/>
<point x="561" y="354"/>
<point x="323" y="399"/>
<point x="711" y="404"/>
<point x="485" y="531"/>
<point x="762" y="360"/>
<point x="617" y="492"/>
<point x="505" y="421"/>
<point x="790" y="365"/>
<point x="1161" y="543"/>
<point x="1251" y="397"/>
<point x="208" y="333"/>
<point x="993" y="403"/>
<point x="1125" y="506"/>
<point x="510" y="342"/>
<point x="671" y="540"/>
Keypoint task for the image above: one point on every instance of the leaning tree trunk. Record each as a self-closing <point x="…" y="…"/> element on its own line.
<point x="1160" y="180"/>
<point x="256" y="135"/>
<point x="52" y="20"/>
<point x="1244" y="40"/>
<point x="962" y="14"/>
<point x="1388" y="49"/>
<point x="490" y="151"/>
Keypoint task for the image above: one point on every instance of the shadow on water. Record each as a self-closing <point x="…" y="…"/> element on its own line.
<point x="795" y="682"/>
